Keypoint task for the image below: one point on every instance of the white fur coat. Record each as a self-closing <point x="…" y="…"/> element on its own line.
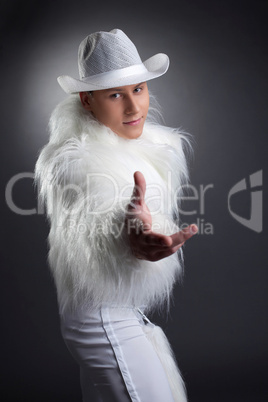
<point x="85" y="174"/>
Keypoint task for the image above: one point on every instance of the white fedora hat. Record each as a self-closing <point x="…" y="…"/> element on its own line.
<point x="109" y="60"/>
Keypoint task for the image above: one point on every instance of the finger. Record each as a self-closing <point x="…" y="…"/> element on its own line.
<point x="139" y="189"/>
<point x="177" y="239"/>
<point x="183" y="235"/>
<point x="156" y="253"/>
<point x="157" y="239"/>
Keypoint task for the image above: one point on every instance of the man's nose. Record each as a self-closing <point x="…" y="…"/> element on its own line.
<point x="131" y="105"/>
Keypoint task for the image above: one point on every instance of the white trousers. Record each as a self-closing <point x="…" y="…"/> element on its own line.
<point x="118" y="363"/>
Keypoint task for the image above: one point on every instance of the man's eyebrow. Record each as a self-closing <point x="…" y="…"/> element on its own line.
<point x="139" y="84"/>
<point x="114" y="89"/>
<point x="120" y="89"/>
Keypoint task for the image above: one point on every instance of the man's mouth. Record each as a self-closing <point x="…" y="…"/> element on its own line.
<point x="132" y="122"/>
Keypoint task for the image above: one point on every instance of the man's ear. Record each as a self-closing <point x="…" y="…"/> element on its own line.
<point x="85" y="100"/>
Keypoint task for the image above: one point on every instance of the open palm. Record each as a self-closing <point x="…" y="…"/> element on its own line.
<point x="145" y="243"/>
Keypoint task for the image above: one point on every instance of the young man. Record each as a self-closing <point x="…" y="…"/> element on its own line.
<point x="113" y="247"/>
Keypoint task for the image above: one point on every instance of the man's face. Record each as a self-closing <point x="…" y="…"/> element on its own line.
<point x="123" y="109"/>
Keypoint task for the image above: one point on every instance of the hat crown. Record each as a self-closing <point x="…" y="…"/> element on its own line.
<point x="101" y="52"/>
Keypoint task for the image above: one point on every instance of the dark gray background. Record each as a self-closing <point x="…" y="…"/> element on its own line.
<point x="216" y="89"/>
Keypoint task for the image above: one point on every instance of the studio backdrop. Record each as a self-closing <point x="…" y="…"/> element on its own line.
<point x="216" y="90"/>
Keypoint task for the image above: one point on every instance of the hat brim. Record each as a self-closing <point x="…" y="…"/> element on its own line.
<point x="152" y="68"/>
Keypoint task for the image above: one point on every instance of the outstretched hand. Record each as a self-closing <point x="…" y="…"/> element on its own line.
<point x="145" y="243"/>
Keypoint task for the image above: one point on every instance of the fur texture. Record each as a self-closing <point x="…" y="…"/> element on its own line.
<point x="85" y="176"/>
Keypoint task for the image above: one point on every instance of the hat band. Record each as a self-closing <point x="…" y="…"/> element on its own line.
<point x="117" y="74"/>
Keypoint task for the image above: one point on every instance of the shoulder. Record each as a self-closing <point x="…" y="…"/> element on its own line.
<point x="160" y="134"/>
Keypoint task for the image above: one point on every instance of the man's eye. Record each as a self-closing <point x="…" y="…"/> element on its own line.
<point x="115" y="96"/>
<point x="138" y="89"/>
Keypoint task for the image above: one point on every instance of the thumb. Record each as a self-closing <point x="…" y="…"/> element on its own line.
<point x="139" y="188"/>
